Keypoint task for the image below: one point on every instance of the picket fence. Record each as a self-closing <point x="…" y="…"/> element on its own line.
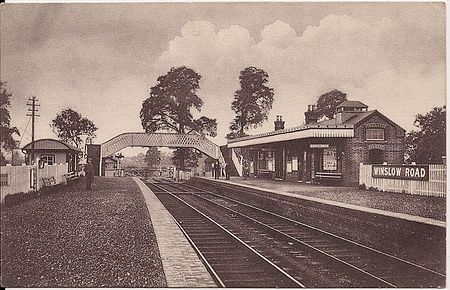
<point x="15" y="179"/>
<point x="435" y="186"/>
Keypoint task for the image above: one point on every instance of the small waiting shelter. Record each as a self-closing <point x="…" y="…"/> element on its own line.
<point x="324" y="149"/>
<point x="51" y="151"/>
<point x="111" y="167"/>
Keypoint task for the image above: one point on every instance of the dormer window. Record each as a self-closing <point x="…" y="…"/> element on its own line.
<point x="375" y="134"/>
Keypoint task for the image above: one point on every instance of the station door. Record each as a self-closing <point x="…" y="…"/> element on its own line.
<point x="279" y="164"/>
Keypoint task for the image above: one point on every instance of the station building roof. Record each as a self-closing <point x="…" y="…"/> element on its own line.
<point x="50" y="144"/>
<point x="324" y="129"/>
<point x="352" y="104"/>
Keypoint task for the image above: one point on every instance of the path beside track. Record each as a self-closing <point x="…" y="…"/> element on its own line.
<point x="182" y="266"/>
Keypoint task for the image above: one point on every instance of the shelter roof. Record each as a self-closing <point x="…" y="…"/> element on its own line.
<point x="50" y="144"/>
<point x="110" y="158"/>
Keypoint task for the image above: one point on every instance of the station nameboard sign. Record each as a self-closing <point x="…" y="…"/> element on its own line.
<point x="319" y="145"/>
<point x="410" y="172"/>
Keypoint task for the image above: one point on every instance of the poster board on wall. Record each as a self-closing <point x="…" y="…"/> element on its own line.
<point x="329" y="158"/>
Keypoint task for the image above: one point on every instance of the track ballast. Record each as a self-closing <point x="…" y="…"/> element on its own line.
<point x="305" y="256"/>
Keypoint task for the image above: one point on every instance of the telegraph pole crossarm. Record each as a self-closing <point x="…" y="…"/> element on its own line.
<point x="32" y="103"/>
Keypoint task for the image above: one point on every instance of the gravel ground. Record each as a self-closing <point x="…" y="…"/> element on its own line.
<point x="424" y="206"/>
<point x="75" y="238"/>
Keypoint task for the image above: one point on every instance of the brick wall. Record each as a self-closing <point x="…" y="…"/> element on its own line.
<point x="356" y="150"/>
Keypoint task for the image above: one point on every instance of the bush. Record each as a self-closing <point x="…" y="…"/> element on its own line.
<point x="20" y="197"/>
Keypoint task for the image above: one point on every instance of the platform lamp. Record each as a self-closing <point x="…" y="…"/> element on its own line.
<point x="87" y="142"/>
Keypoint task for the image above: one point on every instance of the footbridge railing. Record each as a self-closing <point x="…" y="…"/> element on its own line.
<point x="136" y="139"/>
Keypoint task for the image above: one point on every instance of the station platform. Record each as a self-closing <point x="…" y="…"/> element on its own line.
<point x="105" y="237"/>
<point x="422" y="209"/>
<point x="182" y="267"/>
<point x="70" y="237"/>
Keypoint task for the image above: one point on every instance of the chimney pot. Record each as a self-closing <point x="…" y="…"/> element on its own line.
<point x="279" y="123"/>
<point x="311" y="115"/>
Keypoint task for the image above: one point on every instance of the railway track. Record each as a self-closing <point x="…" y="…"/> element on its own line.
<point x="230" y="260"/>
<point x="420" y="243"/>
<point x="300" y="249"/>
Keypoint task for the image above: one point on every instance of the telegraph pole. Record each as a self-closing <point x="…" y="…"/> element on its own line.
<point x="32" y="110"/>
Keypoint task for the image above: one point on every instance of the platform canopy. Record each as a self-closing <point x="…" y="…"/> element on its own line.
<point x="332" y="128"/>
<point x="301" y="132"/>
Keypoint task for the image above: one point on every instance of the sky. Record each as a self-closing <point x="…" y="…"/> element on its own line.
<point x="102" y="59"/>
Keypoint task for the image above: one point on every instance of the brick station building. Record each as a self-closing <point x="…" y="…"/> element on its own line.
<point x="329" y="150"/>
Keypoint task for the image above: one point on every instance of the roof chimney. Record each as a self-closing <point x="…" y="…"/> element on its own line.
<point x="311" y="116"/>
<point x="279" y="123"/>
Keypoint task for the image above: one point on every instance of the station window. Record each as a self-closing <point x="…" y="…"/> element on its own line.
<point x="266" y="160"/>
<point x="48" y="159"/>
<point x="4" y="179"/>
<point x="261" y="155"/>
<point x="374" y="134"/>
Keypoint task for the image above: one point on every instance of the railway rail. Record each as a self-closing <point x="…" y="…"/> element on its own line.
<point x="420" y="243"/>
<point x="231" y="261"/>
<point x="310" y="256"/>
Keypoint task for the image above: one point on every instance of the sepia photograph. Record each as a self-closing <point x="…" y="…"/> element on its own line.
<point x="223" y="144"/>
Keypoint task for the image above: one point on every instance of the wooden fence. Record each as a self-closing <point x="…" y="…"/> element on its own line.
<point x="435" y="186"/>
<point x="15" y="179"/>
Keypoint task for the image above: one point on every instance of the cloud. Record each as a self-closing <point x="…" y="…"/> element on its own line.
<point x="278" y="34"/>
<point x="90" y="57"/>
<point x="379" y="62"/>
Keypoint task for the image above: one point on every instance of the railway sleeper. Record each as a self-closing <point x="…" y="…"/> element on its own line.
<point x="205" y="233"/>
<point x="215" y="251"/>
<point x="227" y="248"/>
<point x="207" y="242"/>
<point x="234" y="270"/>
<point x="219" y="259"/>
<point x="206" y="238"/>
<point x="262" y="276"/>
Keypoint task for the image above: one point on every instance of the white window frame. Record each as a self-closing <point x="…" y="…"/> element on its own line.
<point x="375" y="135"/>
<point x="46" y="157"/>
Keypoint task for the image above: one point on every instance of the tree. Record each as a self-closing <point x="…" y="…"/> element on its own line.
<point x="169" y="109"/>
<point x="427" y="145"/>
<point x="137" y="161"/>
<point x="152" y="157"/>
<point x="327" y="103"/>
<point x="69" y="126"/>
<point x="252" y="102"/>
<point x="7" y="141"/>
<point x="185" y="158"/>
<point x="17" y="158"/>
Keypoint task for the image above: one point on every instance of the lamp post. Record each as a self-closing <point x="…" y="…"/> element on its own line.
<point x="160" y="169"/>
